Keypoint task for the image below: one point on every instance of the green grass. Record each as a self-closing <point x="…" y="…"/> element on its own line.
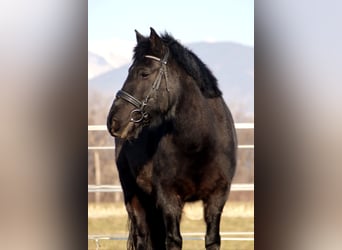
<point x="110" y="219"/>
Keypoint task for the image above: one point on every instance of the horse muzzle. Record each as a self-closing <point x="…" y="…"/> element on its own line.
<point x="114" y="127"/>
<point x="117" y="129"/>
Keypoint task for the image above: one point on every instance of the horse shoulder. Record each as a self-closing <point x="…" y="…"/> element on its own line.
<point x="144" y="177"/>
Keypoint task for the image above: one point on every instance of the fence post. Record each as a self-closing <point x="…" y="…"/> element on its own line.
<point x="97" y="174"/>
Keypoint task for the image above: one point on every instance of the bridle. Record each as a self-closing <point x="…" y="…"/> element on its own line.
<point x="139" y="114"/>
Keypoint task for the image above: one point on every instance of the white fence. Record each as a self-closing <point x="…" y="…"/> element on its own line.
<point x="104" y="128"/>
<point x="117" y="188"/>
<point x="238" y="125"/>
<point x="225" y="236"/>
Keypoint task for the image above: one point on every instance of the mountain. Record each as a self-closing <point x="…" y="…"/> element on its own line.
<point x="233" y="66"/>
<point x="231" y="63"/>
<point x="97" y="65"/>
<point x="116" y="52"/>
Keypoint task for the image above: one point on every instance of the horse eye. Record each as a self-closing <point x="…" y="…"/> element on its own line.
<point x="144" y="74"/>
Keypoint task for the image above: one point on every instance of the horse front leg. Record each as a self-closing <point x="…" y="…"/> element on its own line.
<point x="138" y="232"/>
<point x="171" y="207"/>
<point x="213" y="207"/>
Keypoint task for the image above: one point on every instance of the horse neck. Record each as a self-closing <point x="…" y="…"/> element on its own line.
<point x="192" y="116"/>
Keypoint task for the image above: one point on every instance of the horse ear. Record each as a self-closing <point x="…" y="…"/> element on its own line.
<point x="155" y="40"/>
<point x="139" y="36"/>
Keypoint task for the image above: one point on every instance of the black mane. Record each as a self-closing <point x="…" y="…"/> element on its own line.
<point x="203" y="76"/>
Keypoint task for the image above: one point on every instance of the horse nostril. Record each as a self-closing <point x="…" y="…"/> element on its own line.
<point x="115" y="125"/>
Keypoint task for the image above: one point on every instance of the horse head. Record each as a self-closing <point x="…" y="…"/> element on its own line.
<point x="145" y="97"/>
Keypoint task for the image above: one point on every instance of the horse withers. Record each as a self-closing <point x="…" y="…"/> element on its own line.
<point x="175" y="143"/>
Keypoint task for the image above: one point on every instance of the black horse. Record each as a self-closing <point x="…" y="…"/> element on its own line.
<point x="175" y="143"/>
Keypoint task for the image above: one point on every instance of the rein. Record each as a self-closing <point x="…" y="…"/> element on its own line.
<point x="139" y="114"/>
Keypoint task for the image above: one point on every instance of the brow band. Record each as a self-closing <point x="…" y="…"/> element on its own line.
<point x="153" y="57"/>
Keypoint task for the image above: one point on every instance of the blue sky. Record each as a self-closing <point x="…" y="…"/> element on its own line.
<point x="187" y="20"/>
